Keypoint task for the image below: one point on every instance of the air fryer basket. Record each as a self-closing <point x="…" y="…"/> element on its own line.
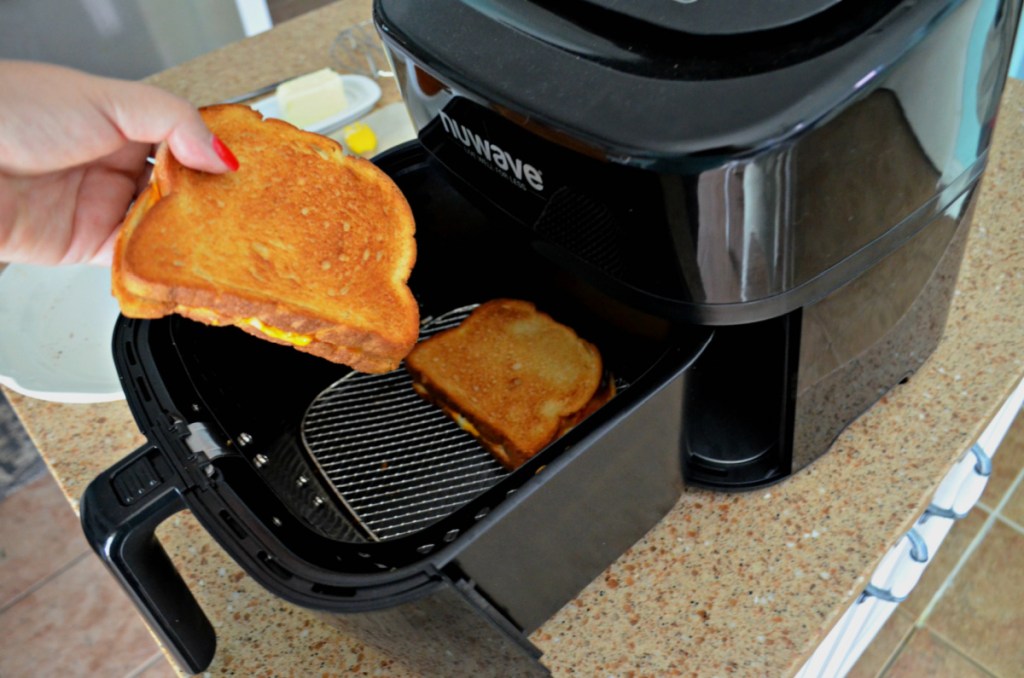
<point x="396" y="462"/>
<point x="234" y="438"/>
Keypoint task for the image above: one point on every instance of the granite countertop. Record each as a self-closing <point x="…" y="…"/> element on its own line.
<point x="746" y="583"/>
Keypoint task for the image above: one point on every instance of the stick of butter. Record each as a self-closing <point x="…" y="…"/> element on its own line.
<point x="311" y="98"/>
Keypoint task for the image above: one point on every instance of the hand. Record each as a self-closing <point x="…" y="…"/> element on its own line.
<point x="73" y="151"/>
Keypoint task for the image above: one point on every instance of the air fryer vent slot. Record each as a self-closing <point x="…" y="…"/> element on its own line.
<point x="585" y="227"/>
<point x="396" y="462"/>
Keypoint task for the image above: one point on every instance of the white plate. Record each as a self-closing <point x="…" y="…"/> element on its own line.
<point x="56" y="325"/>
<point x="361" y="94"/>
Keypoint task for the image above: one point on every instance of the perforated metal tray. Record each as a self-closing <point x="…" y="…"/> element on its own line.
<point x="396" y="462"/>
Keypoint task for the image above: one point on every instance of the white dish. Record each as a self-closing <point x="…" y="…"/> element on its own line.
<point x="56" y="325"/>
<point x="361" y="93"/>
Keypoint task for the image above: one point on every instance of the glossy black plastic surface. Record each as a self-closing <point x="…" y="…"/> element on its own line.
<point x="657" y="113"/>
<point x="721" y="17"/>
<point x="708" y="198"/>
<point x="120" y="527"/>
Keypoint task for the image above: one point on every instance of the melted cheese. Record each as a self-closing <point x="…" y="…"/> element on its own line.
<point x="465" y="425"/>
<point x="279" y="334"/>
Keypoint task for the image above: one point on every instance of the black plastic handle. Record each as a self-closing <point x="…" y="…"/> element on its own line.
<point x="120" y="511"/>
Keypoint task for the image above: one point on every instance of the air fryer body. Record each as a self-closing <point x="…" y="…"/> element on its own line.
<point x="715" y="166"/>
<point x="761" y="233"/>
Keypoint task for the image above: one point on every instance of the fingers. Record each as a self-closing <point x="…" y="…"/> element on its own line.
<point x="148" y="114"/>
<point x="55" y="118"/>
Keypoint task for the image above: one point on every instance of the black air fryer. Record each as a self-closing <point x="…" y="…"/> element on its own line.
<point x="756" y="211"/>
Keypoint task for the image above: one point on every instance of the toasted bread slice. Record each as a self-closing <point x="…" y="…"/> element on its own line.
<point x="302" y="246"/>
<point x="512" y="376"/>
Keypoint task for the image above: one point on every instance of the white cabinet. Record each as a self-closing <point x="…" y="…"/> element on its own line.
<point x="902" y="567"/>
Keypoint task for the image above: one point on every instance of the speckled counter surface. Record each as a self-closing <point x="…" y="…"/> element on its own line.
<point x="744" y="584"/>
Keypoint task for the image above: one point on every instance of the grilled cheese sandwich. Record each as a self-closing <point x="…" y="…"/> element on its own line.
<point x="302" y="246"/>
<point x="512" y="377"/>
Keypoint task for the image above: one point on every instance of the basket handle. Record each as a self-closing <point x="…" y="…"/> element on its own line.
<point x="120" y="512"/>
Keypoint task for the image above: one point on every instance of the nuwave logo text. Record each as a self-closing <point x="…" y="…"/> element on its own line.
<point x="512" y="167"/>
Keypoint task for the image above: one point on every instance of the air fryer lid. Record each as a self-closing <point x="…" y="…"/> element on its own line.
<point x="633" y="82"/>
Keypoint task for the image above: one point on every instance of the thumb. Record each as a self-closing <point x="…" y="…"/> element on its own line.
<point x="148" y="114"/>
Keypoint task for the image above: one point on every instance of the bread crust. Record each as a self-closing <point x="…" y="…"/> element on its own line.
<point x="315" y="245"/>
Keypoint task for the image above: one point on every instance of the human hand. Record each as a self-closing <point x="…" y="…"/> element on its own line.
<point x="73" y="151"/>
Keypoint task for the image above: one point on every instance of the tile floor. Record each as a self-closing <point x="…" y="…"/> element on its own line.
<point x="61" y="614"/>
<point x="965" y="618"/>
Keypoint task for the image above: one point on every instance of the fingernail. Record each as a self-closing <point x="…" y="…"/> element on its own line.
<point x="225" y="154"/>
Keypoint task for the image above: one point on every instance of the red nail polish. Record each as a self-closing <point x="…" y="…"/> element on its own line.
<point x="225" y="154"/>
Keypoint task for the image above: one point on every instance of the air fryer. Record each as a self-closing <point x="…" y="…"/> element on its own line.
<point x="760" y="232"/>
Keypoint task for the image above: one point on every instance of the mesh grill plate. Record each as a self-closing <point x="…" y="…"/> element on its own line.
<point x="397" y="463"/>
